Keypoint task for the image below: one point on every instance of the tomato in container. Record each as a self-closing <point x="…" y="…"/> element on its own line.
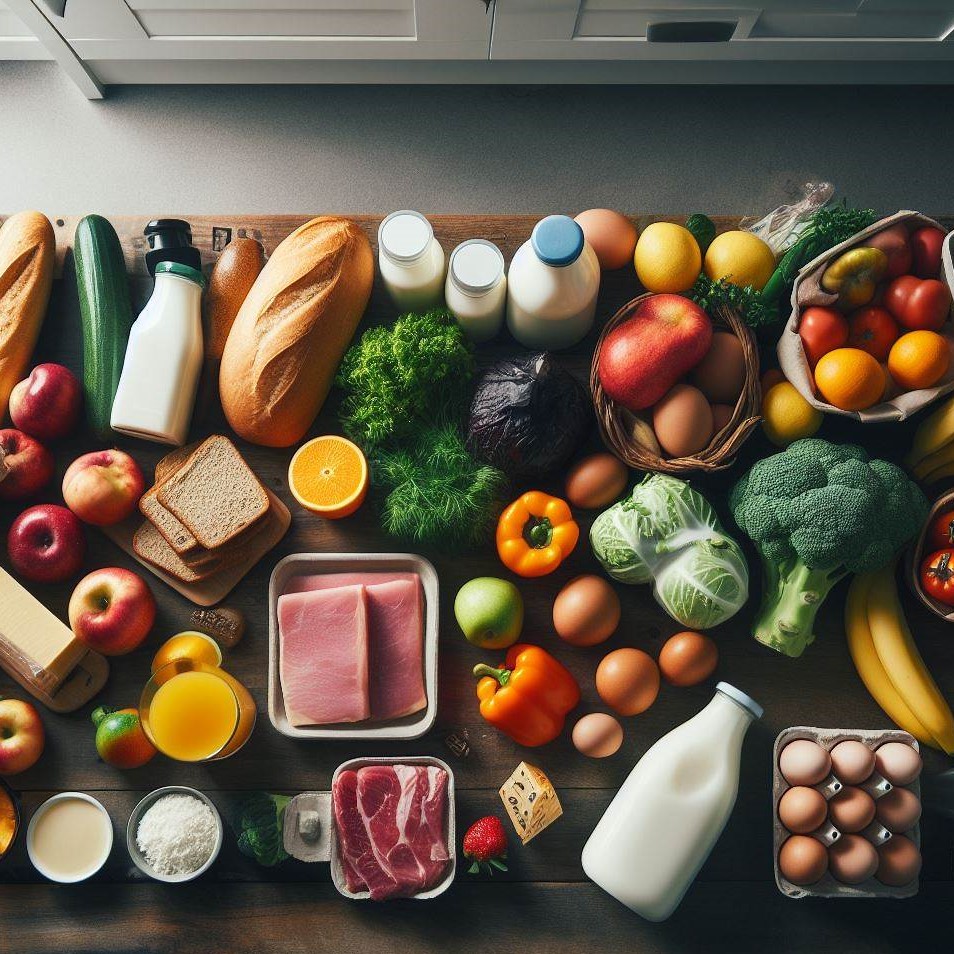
<point x="822" y="330"/>
<point x="872" y="329"/>
<point x="918" y="303"/>
<point x="940" y="533"/>
<point x="937" y="576"/>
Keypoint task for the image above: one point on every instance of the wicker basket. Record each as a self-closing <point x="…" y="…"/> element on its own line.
<point x="617" y="424"/>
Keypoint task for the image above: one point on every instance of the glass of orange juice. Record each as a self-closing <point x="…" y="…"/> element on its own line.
<point x="194" y="712"/>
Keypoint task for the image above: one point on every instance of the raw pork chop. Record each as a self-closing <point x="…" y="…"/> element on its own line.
<point x="323" y="655"/>
<point x="396" y="636"/>
<point x="391" y="828"/>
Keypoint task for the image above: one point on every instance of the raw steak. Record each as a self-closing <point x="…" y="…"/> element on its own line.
<point x="323" y="655"/>
<point x="396" y="636"/>
<point x="391" y="828"/>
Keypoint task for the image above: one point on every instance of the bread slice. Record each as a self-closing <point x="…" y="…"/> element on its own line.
<point x="176" y="533"/>
<point x="169" y="464"/>
<point x="151" y="546"/>
<point x="214" y="493"/>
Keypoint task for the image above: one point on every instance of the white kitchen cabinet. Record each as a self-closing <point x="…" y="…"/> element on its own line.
<point x="17" y="42"/>
<point x="720" y="31"/>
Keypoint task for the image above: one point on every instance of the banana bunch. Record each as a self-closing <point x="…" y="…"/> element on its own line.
<point x="889" y="663"/>
<point x="931" y="457"/>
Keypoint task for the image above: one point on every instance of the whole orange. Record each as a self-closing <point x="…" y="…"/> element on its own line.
<point x="919" y="359"/>
<point x="850" y="379"/>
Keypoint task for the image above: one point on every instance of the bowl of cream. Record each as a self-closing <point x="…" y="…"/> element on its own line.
<point x="69" y="837"/>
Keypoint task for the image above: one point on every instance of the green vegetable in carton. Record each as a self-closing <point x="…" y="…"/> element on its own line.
<point x="817" y="512"/>
<point x="259" y="824"/>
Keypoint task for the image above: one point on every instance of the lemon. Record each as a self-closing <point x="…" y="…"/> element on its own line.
<point x="787" y="416"/>
<point x="667" y="258"/>
<point x="741" y="258"/>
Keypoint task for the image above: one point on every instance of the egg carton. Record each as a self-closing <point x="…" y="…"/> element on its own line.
<point x="829" y="887"/>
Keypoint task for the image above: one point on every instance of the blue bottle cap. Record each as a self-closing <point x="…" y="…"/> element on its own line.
<point x="557" y="240"/>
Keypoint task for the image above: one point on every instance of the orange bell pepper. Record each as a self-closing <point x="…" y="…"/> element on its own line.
<point x="529" y="697"/>
<point x="535" y="534"/>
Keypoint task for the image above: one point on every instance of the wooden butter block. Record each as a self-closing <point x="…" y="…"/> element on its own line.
<point x="530" y="801"/>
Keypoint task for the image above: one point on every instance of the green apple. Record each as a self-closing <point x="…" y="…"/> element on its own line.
<point x="490" y="612"/>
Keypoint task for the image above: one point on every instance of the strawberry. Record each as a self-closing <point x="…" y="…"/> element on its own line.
<point x="486" y="845"/>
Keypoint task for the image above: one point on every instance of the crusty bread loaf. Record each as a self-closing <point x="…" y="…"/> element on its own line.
<point x="232" y="277"/>
<point x="293" y="330"/>
<point x="27" y="251"/>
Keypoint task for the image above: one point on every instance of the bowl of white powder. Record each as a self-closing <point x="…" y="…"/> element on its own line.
<point x="174" y="834"/>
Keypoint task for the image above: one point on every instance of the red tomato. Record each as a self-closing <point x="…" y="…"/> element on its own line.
<point x="926" y="245"/>
<point x="821" y="330"/>
<point x="918" y="303"/>
<point x="872" y="329"/>
<point x="941" y="531"/>
<point x="937" y="576"/>
<point x="896" y="244"/>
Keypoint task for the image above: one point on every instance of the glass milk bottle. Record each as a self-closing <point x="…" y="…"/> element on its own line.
<point x="163" y="359"/>
<point x="552" y="286"/>
<point x="476" y="288"/>
<point x="411" y="261"/>
<point x="659" y="829"/>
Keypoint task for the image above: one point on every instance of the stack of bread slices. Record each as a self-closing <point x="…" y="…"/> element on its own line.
<point x="206" y="511"/>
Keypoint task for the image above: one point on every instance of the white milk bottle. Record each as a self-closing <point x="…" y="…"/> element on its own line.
<point x="163" y="359"/>
<point x="659" y="829"/>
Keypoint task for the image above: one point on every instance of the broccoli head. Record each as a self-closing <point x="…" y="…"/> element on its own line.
<point x="817" y="512"/>
<point x="259" y="822"/>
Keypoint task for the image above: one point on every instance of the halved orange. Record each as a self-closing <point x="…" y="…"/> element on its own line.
<point x="329" y="476"/>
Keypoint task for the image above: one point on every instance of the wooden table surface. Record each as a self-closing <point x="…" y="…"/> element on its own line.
<point x="544" y="903"/>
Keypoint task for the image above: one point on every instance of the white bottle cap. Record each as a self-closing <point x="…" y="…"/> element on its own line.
<point x="404" y="236"/>
<point x="736" y="695"/>
<point x="476" y="266"/>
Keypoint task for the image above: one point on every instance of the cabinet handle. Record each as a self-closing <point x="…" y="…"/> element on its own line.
<point x="691" y="31"/>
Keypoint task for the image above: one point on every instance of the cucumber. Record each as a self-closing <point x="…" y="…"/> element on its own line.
<point x="107" y="316"/>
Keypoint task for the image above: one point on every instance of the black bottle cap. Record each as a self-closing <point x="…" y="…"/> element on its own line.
<point x="170" y="240"/>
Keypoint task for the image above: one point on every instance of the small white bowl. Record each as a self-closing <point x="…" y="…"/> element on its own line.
<point x="139" y="860"/>
<point x="31" y="834"/>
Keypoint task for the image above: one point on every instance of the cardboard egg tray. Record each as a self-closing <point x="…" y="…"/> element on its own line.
<point x="828" y="887"/>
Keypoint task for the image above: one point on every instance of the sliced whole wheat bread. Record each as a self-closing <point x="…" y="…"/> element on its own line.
<point x="150" y="545"/>
<point x="214" y="494"/>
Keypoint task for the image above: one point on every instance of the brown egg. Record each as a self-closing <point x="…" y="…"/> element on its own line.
<point x="596" y="481"/>
<point x="682" y="421"/>
<point x="852" y="859"/>
<point x="804" y="762"/>
<point x="852" y="809"/>
<point x="898" y="810"/>
<point x="598" y="735"/>
<point x="802" y="859"/>
<point x="611" y="235"/>
<point x="720" y="375"/>
<point x="898" y="762"/>
<point x="899" y="862"/>
<point x="721" y="415"/>
<point x="688" y="658"/>
<point x="627" y="680"/>
<point x="802" y="810"/>
<point x="586" y="611"/>
<point x="852" y="761"/>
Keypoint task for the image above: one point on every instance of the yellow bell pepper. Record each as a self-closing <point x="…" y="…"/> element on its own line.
<point x="535" y="534"/>
<point x="854" y="275"/>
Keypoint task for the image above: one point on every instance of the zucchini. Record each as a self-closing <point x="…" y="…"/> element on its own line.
<point x="106" y="312"/>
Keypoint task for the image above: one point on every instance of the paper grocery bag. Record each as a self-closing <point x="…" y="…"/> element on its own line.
<point x="808" y="291"/>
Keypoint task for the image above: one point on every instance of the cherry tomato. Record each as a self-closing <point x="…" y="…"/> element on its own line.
<point x="940" y="533"/>
<point x="918" y="303"/>
<point x="821" y="330"/>
<point x="937" y="576"/>
<point x="926" y="245"/>
<point x="872" y="329"/>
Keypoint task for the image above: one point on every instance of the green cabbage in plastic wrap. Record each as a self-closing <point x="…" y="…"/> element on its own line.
<point x="667" y="534"/>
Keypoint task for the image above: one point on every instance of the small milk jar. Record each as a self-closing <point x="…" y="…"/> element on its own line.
<point x="476" y="288"/>
<point x="163" y="359"/>
<point x="411" y="261"/>
<point x="552" y="286"/>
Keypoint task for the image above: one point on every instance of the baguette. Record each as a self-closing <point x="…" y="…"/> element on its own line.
<point x="293" y="330"/>
<point x="27" y="252"/>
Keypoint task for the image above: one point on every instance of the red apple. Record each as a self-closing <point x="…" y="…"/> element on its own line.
<point x="926" y="244"/>
<point x="104" y="487"/>
<point x="112" y="610"/>
<point x="46" y="544"/>
<point x="642" y="358"/>
<point x="21" y="736"/>
<point x="47" y="403"/>
<point x="894" y="242"/>
<point x="29" y="465"/>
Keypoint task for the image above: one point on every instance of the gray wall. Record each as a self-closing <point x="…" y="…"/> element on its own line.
<point x="465" y="148"/>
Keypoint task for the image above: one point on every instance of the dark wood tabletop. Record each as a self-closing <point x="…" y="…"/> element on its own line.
<point x="544" y="903"/>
